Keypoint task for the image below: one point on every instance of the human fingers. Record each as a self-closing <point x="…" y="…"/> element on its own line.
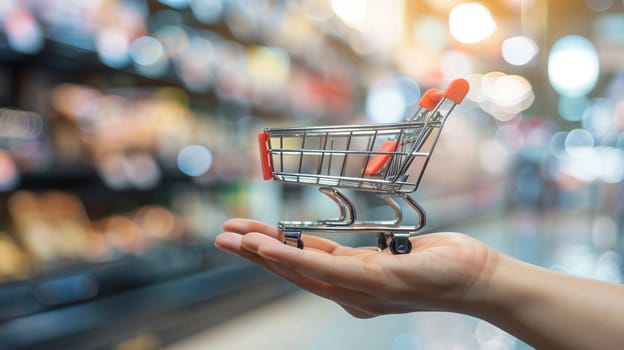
<point x="243" y="226"/>
<point x="229" y="241"/>
<point x="359" y="302"/>
<point x="232" y="242"/>
<point x="344" y="271"/>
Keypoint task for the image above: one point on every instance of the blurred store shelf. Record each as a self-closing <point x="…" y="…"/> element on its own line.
<point x="147" y="302"/>
<point x="128" y="135"/>
<point x="125" y="143"/>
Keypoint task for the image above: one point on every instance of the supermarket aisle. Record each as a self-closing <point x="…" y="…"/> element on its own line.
<point x="304" y="321"/>
<point x="307" y="322"/>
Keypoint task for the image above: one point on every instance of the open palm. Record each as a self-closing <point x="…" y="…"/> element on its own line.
<point x="443" y="271"/>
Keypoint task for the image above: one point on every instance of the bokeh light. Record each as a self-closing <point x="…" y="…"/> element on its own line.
<point x="142" y="171"/>
<point x="149" y="56"/>
<point x="207" y="11"/>
<point x="604" y="233"/>
<point x="194" y="63"/>
<point x="351" y="12"/>
<point x="573" y="66"/>
<point x="610" y="28"/>
<point x="557" y="144"/>
<point x="137" y="170"/>
<point x="9" y="175"/>
<point x="455" y="64"/>
<point x="599" y="5"/>
<point x="146" y="51"/>
<point x="20" y="125"/>
<point x="608" y="267"/>
<point x="594" y="163"/>
<point x="443" y="6"/>
<point x="519" y="50"/>
<point x="157" y="222"/>
<point x="572" y="108"/>
<point x="598" y="118"/>
<point x="504" y="96"/>
<point x="6" y="8"/>
<point x="269" y="66"/>
<point x="113" y="47"/>
<point x="577" y="141"/>
<point x="612" y="167"/>
<point x="494" y="157"/>
<point x="471" y="23"/>
<point x="174" y="39"/>
<point x="23" y="31"/>
<point x="316" y="10"/>
<point x="194" y="160"/>
<point x="388" y="100"/>
<point x="430" y="32"/>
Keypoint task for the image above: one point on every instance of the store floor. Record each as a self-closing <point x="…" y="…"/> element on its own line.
<point x="302" y="321"/>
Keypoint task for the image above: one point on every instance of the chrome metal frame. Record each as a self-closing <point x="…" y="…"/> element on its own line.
<point x="329" y="152"/>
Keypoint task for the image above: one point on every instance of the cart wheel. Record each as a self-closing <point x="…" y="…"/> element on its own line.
<point x="381" y="241"/>
<point x="400" y="245"/>
<point x="293" y="239"/>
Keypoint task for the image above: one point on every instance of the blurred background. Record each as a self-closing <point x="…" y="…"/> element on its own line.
<point x="128" y="135"/>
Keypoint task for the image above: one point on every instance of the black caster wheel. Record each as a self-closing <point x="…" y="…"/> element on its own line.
<point x="382" y="242"/>
<point x="400" y="245"/>
<point x="293" y="239"/>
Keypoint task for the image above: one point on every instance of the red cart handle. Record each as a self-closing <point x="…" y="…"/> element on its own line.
<point x="267" y="171"/>
<point x="430" y="99"/>
<point x="457" y="90"/>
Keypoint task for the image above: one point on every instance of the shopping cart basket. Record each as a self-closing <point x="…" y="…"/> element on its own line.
<point x="388" y="159"/>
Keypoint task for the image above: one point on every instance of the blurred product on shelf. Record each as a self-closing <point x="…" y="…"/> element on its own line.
<point x="14" y="264"/>
<point x="281" y="47"/>
<point x="52" y="226"/>
<point x="54" y="231"/>
<point x="9" y="175"/>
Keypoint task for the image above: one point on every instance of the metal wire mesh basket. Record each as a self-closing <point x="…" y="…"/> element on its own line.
<point x="388" y="159"/>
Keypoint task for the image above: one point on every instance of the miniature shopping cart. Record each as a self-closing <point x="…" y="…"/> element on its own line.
<point x="388" y="159"/>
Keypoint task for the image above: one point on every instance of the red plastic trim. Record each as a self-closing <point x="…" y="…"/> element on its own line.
<point x="457" y="90"/>
<point x="430" y="99"/>
<point x="379" y="160"/>
<point x="267" y="171"/>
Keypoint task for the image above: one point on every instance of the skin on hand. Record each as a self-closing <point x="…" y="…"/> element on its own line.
<point x="444" y="271"/>
<point x="447" y="272"/>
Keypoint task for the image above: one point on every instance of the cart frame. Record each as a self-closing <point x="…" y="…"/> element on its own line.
<point x="387" y="159"/>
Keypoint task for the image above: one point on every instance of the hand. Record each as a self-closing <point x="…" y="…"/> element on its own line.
<point x="444" y="271"/>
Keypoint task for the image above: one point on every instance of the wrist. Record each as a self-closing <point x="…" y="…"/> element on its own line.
<point x="484" y="293"/>
<point x="503" y="287"/>
<point x="506" y="286"/>
<point x="512" y="293"/>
